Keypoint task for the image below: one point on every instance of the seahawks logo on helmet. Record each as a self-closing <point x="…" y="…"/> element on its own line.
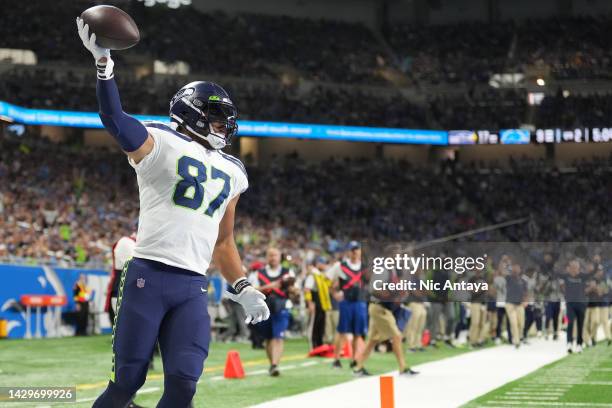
<point x="206" y="111"/>
<point x="181" y="93"/>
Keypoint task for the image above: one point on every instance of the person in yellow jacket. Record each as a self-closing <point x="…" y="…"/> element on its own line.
<point x="318" y="301"/>
<point x="82" y="295"/>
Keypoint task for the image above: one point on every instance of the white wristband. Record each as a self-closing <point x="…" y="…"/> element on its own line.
<point x="239" y="285"/>
<point x="105" y="70"/>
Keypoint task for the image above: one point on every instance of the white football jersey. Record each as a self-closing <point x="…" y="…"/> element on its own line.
<point x="184" y="190"/>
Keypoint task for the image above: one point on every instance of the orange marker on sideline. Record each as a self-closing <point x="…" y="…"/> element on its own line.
<point x="233" y="365"/>
<point x="387" y="398"/>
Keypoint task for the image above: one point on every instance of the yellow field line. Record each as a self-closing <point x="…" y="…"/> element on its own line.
<point x="250" y="363"/>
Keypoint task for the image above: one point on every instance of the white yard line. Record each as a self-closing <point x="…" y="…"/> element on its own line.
<point x="442" y="384"/>
<point x="141" y="391"/>
<point x="491" y="404"/>
<point x="535" y="392"/>
<point x="265" y="371"/>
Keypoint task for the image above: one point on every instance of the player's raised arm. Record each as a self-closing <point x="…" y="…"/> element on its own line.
<point x="226" y="256"/>
<point x="127" y="130"/>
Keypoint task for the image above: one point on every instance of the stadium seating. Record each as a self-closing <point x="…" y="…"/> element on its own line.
<point x="421" y="56"/>
<point x="275" y="43"/>
<point x="575" y="111"/>
<point x="66" y="204"/>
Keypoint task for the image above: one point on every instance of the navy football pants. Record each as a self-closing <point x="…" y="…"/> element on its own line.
<point x="157" y="301"/>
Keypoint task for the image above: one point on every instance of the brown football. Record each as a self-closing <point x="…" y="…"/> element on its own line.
<point x="114" y="28"/>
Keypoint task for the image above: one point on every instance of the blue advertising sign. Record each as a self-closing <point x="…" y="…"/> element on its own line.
<point x="246" y="128"/>
<point x="461" y="137"/>
<point x="18" y="280"/>
<point x="515" y="136"/>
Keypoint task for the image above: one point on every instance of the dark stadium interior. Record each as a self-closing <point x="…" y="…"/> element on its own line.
<point x="82" y="198"/>
<point x="352" y="203"/>
<point x="411" y="75"/>
<point x="403" y="74"/>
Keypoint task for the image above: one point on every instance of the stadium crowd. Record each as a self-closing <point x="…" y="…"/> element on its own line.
<point x="275" y="43"/>
<point x="573" y="47"/>
<point x="39" y="89"/>
<point x="569" y="48"/>
<point x="574" y="111"/>
<point x="492" y="109"/>
<point x="446" y="54"/>
<point x="57" y="203"/>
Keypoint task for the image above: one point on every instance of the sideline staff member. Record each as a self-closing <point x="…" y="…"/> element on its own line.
<point x="318" y="301"/>
<point x="82" y="295"/>
<point x="574" y="286"/>
<point x="273" y="281"/>
<point x="383" y="327"/>
<point x="516" y="291"/>
<point x="348" y="279"/>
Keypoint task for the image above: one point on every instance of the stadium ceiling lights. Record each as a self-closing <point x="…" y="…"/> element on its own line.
<point x="173" y="4"/>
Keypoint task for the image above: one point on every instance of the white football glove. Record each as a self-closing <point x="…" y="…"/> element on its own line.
<point x="252" y="300"/>
<point x="104" y="63"/>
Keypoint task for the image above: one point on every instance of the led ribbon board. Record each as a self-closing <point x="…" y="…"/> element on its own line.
<point x="246" y="128"/>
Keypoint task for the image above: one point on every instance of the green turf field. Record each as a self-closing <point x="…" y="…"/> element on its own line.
<point x="578" y="380"/>
<point x="85" y="362"/>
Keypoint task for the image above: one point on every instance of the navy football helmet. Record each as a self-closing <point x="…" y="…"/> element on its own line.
<point x="206" y="110"/>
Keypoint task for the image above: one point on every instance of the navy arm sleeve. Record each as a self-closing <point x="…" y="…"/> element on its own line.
<point x="127" y="130"/>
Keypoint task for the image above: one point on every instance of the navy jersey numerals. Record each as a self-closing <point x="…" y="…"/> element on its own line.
<point x="189" y="190"/>
<point x="223" y="194"/>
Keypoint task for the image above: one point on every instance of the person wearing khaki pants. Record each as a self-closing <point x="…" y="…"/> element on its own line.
<point x="414" y="329"/>
<point x="589" y="321"/>
<point x="331" y="322"/>
<point x="478" y="312"/>
<point x="516" y="292"/>
<point x="383" y="327"/>
<point x="597" y="312"/>
<point x="514" y="312"/>
<point x="600" y="317"/>
<point x="521" y="319"/>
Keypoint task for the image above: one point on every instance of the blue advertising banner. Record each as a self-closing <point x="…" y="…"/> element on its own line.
<point x="515" y="136"/>
<point x="246" y="128"/>
<point x="20" y="280"/>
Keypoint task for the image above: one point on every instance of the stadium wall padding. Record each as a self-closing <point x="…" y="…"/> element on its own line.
<point x="17" y="280"/>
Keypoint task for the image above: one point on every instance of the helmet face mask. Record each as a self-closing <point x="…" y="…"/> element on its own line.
<point x="205" y="109"/>
<point x="221" y="118"/>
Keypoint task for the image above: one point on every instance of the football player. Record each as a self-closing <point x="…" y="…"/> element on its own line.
<point x="188" y="193"/>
